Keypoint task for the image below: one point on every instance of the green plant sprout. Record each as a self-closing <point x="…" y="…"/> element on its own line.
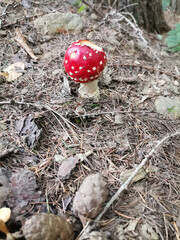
<point x="173" y="40"/>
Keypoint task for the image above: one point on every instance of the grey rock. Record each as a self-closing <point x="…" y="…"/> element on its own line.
<point x="94" y="16"/>
<point x="55" y="23"/>
<point x="3" y="33"/>
<point x="118" y="119"/>
<point x="168" y="106"/>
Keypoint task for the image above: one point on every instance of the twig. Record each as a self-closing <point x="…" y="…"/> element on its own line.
<point x="92" y="7"/>
<point x="126" y="184"/>
<point x="124" y="216"/>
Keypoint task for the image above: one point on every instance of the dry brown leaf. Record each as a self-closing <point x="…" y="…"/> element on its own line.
<point x="90" y="197"/>
<point x="5" y="214"/>
<point x="69" y="164"/>
<point x="22" y="42"/>
<point x="3" y="227"/>
<point x="11" y="73"/>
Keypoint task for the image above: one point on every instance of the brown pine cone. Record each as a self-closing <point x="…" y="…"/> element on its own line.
<point x="47" y="227"/>
<point x="90" y="197"/>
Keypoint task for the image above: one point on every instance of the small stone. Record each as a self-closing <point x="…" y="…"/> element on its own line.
<point x="54" y="23"/>
<point x="112" y="49"/>
<point x="176" y="83"/>
<point x="118" y="119"/>
<point x="168" y="106"/>
<point x="56" y="71"/>
<point x="162" y="82"/>
<point x="79" y="110"/>
<point x="94" y="16"/>
<point x="3" y="33"/>
<point x="136" y="62"/>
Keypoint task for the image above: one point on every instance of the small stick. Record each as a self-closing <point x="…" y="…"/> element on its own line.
<point x="93" y="8"/>
<point x="19" y="38"/>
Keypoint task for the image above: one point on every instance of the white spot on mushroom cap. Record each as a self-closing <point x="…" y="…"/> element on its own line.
<point x="100" y="62"/>
<point x="72" y="67"/>
<point x="96" y="76"/>
<point x="88" y="70"/>
<point x="90" y="54"/>
<point x="80" y="68"/>
<point x="91" y="77"/>
<point x="104" y="57"/>
<point x="94" y="68"/>
<point x="70" y="73"/>
<point x="84" y="57"/>
<point x="66" y="61"/>
<point x="76" y="71"/>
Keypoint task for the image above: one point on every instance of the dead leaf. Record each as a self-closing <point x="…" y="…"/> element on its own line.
<point x="69" y="164"/>
<point x="22" y="42"/>
<point x="3" y="227"/>
<point x="61" y="30"/>
<point x="13" y="72"/>
<point x="132" y="225"/>
<point x="5" y="214"/>
<point x="126" y="174"/>
<point x="28" y="130"/>
<point x="147" y="232"/>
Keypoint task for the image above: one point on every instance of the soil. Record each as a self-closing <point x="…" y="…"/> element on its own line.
<point x="120" y="129"/>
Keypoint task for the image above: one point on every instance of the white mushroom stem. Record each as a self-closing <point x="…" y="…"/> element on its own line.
<point x="89" y="90"/>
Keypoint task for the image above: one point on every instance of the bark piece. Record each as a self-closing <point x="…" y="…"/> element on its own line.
<point x="47" y="227"/>
<point x="23" y="191"/>
<point x="28" y="130"/>
<point x="90" y="197"/>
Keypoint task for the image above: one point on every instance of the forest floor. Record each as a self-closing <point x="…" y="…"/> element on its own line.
<point x="42" y="121"/>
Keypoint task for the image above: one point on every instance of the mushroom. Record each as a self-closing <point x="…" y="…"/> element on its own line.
<point x="84" y="61"/>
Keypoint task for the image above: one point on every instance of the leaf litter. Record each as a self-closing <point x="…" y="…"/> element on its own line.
<point x="96" y="128"/>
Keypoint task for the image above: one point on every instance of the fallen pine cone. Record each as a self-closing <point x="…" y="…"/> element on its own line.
<point x="47" y="227"/>
<point x="90" y="197"/>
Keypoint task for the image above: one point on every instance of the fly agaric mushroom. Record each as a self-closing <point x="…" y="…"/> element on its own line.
<point x="84" y="61"/>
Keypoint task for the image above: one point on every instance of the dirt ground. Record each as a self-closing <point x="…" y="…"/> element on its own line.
<point x="120" y="129"/>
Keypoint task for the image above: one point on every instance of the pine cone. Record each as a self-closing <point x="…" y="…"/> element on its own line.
<point x="47" y="227"/>
<point x="90" y="197"/>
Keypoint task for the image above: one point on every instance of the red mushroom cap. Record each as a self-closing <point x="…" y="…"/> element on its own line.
<point x="84" y="61"/>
